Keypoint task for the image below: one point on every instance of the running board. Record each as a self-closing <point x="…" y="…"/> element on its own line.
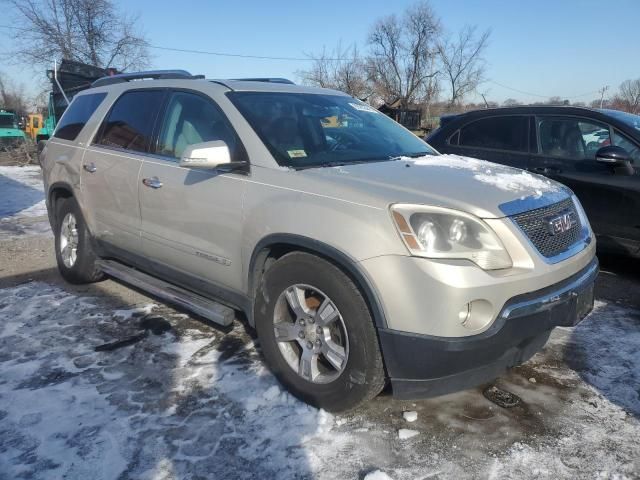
<point x="193" y="302"/>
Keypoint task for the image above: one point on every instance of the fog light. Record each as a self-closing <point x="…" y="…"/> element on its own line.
<point x="476" y="315"/>
<point x="464" y="313"/>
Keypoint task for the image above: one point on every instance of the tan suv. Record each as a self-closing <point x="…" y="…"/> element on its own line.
<point x="360" y="254"/>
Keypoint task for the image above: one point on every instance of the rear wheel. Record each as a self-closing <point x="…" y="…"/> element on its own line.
<point x="76" y="259"/>
<point x="317" y="334"/>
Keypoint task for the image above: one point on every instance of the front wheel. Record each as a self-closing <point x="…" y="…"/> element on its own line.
<point x="76" y="259"/>
<point x="317" y="334"/>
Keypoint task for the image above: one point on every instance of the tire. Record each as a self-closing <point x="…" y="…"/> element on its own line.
<point x="81" y="267"/>
<point x="352" y="371"/>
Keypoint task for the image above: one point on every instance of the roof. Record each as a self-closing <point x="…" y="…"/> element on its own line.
<point x="530" y="109"/>
<point x="260" y="86"/>
<point x="161" y="77"/>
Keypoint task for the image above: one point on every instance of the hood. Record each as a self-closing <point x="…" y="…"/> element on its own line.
<point x="450" y="181"/>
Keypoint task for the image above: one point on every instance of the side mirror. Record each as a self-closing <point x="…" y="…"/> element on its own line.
<point x="614" y="156"/>
<point x="617" y="158"/>
<point x="207" y="155"/>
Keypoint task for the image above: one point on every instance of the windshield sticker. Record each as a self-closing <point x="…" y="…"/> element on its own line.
<point x="296" y="153"/>
<point x="363" y="108"/>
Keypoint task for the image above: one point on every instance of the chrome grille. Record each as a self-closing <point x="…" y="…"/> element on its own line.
<point x="535" y="224"/>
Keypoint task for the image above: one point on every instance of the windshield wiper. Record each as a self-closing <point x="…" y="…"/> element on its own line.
<point x="342" y="163"/>
<point x="410" y="155"/>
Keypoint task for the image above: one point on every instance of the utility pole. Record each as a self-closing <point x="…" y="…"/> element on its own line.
<point x="602" y="90"/>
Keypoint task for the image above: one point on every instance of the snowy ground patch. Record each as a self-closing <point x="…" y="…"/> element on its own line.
<point x="22" y="210"/>
<point x="196" y="402"/>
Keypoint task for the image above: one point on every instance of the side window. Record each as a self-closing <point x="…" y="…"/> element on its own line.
<point x="502" y="133"/>
<point x="191" y="119"/>
<point x="76" y="116"/>
<point x="36" y="122"/>
<point x="632" y="148"/>
<point x="129" y="124"/>
<point x="572" y="137"/>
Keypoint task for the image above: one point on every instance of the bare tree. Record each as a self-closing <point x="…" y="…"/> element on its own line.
<point x="511" y="102"/>
<point x="629" y="95"/>
<point x="341" y="69"/>
<point x="402" y="57"/>
<point x="88" y="31"/>
<point x="12" y="97"/>
<point x="462" y="61"/>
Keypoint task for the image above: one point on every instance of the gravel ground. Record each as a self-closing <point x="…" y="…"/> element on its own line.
<point x="188" y="400"/>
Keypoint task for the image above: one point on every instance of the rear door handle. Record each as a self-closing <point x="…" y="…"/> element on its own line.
<point x="153" y="182"/>
<point x="90" y="167"/>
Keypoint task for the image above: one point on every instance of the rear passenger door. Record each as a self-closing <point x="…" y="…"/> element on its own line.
<point x="567" y="150"/>
<point x="501" y="139"/>
<point x="192" y="218"/>
<point x="112" y="165"/>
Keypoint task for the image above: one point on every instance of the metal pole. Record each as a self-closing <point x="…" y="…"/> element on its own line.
<point x="602" y="90"/>
<point x="55" y="77"/>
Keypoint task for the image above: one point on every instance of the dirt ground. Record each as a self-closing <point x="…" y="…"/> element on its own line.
<point x="196" y="402"/>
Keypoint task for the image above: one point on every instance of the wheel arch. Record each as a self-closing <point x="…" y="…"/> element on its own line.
<point x="57" y="191"/>
<point x="274" y="246"/>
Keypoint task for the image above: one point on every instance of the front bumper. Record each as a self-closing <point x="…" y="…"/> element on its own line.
<point x="424" y="365"/>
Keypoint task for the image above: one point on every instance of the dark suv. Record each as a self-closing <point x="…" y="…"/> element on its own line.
<point x="594" y="152"/>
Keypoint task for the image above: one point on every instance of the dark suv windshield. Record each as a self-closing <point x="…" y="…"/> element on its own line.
<point x="309" y="130"/>
<point x="8" y="121"/>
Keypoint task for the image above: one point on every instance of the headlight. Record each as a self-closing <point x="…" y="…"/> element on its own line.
<point x="435" y="232"/>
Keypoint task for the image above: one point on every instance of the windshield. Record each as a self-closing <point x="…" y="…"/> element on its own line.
<point x="8" y="121"/>
<point x="309" y="130"/>
<point x="628" y="118"/>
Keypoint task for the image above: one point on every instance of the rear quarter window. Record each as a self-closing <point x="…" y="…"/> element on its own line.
<point x="77" y="115"/>
<point x="129" y="124"/>
<point x="500" y="133"/>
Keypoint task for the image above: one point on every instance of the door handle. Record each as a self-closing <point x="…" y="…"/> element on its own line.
<point x="90" y="167"/>
<point x="153" y="182"/>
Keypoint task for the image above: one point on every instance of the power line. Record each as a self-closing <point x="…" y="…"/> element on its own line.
<point x="220" y="54"/>
<point x="240" y="55"/>
<point x="309" y="58"/>
<point x="541" y="96"/>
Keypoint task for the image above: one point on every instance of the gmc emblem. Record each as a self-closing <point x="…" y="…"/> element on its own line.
<point x="561" y="223"/>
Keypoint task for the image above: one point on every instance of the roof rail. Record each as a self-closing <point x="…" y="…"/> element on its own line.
<point x="151" y="74"/>
<point x="268" y="80"/>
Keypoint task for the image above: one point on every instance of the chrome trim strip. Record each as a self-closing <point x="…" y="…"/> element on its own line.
<point x="532" y="202"/>
<point x="549" y="300"/>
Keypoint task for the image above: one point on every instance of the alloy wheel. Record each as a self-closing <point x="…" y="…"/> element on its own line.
<point x="69" y="240"/>
<point x="311" y="333"/>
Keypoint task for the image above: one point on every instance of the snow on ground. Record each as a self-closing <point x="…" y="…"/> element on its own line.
<point x="22" y="209"/>
<point x="197" y="403"/>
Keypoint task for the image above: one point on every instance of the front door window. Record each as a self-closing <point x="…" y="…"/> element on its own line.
<point x="572" y="137"/>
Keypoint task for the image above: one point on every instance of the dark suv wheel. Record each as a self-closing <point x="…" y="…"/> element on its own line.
<point x="74" y="253"/>
<point x="317" y="334"/>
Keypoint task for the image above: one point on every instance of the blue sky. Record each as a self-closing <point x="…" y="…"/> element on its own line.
<point x="563" y="47"/>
